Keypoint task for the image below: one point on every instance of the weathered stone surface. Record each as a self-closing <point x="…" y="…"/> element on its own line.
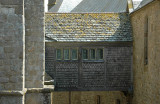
<point x="11" y="100"/>
<point x="12" y="48"/>
<point x="34" y="43"/>
<point x="88" y="97"/>
<point x="38" y="98"/>
<point x="11" y="45"/>
<point x="146" y="77"/>
<point x="2" y="79"/>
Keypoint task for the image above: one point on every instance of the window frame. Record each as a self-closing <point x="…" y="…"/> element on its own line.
<point x="102" y="54"/>
<point x="87" y="53"/>
<point x="76" y="53"/>
<point x="61" y="53"/>
<point x="90" y="53"/>
<point x="64" y="54"/>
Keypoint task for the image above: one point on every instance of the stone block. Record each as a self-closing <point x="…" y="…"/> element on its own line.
<point x="11" y="100"/>
<point x="2" y="74"/>
<point x="8" y="49"/>
<point x="1" y="86"/>
<point x="38" y="98"/>
<point x="13" y="79"/>
<point x="3" y="18"/>
<point x="4" y="80"/>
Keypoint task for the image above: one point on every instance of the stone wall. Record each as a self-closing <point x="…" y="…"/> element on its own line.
<point x="88" y="97"/>
<point x="11" y="100"/>
<point x="21" y="49"/>
<point x="34" y="37"/>
<point x="146" y="77"/>
<point x="11" y="45"/>
<point x="40" y="96"/>
<point x="11" y="51"/>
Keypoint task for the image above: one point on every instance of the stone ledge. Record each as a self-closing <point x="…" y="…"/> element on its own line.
<point x="40" y="90"/>
<point x="12" y="92"/>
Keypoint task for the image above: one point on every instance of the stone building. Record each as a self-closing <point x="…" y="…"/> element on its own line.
<point x="89" y="51"/>
<point x="69" y="30"/>
<point x="22" y="56"/>
<point x="146" y="52"/>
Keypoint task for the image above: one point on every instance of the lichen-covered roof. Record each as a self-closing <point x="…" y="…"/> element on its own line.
<point x="87" y="27"/>
<point x="101" y="6"/>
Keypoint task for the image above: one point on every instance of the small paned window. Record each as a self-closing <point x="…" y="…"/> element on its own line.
<point x="66" y="54"/>
<point x="85" y="54"/>
<point x="92" y="54"/>
<point x="59" y="54"/>
<point x="99" y="54"/>
<point x="74" y="54"/>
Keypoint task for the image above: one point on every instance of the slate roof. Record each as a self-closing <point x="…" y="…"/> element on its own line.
<point x="101" y="6"/>
<point x="136" y="4"/>
<point x="87" y="27"/>
<point x="56" y="7"/>
<point x="142" y="4"/>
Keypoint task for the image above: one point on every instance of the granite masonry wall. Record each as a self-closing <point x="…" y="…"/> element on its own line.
<point x="146" y="77"/>
<point x="89" y="97"/>
<point x="34" y="37"/>
<point x="22" y="52"/>
<point x="11" y="51"/>
<point x="11" y="45"/>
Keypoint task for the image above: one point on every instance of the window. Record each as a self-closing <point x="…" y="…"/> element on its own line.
<point x="92" y="54"/>
<point x="66" y="54"/>
<point x="84" y="54"/>
<point x="146" y="41"/>
<point x="59" y="54"/>
<point x="74" y="54"/>
<point x="99" y="54"/>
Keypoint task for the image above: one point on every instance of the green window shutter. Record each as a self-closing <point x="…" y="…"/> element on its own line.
<point x="92" y="54"/>
<point x="59" y="54"/>
<point x="85" y="54"/>
<point x="66" y="54"/>
<point x="100" y="54"/>
<point x="74" y="54"/>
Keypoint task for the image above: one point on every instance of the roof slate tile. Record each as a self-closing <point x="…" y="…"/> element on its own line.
<point x="88" y="27"/>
